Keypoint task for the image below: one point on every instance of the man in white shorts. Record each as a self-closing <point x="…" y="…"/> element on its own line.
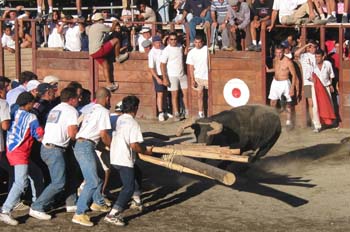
<point x="281" y="85"/>
<point x="172" y="69"/>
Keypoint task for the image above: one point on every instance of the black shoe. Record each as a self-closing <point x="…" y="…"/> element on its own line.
<point x="332" y="19"/>
<point x="258" y="48"/>
<point x="344" y="19"/>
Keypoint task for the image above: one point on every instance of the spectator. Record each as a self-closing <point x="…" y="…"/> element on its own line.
<point x="147" y="14"/>
<point x="307" y="59"/>
<point x="23" y="131"/>
<point x="163" y="10"/>
<point x="39" y="4"/>
<point x="54" y="29"/>
<point x="24" y="34"/>
<point x="345" y="16"/>
<point x="99" y="50"/>
<point x="145" y="34"/>
<point x="197" y="61"/>
<point x="261" y="10"/>
<point x="44" y="103"/>
<point x="72" y="34"/>
<point x="173" y="74"/>
<point x="239" y="19"/>
<point x="219" y="9"/>
<point x="7" y="40"/>
<point x="154" y="66"/>
<point x="125" y="144"/>
<point x="108" y="19"/>
<point x="201" y="15"/>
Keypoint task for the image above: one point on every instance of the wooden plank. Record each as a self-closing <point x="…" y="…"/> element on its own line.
<point x="222" y="76"/>
<point x="132" y="76"/>
<point x="61" y="54"/>
<point x="64" y="64"/>
<point x="132" y="65"/>
<point x="253" y="56"/>
<point x="233" y="64"/>
<point x="64" y="74"/>
<point x="134" y="88"/>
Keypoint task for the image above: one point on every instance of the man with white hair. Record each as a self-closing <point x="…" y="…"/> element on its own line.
<point x="99" y="50"/>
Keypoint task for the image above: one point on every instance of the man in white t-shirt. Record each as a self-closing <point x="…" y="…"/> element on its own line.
<point x="172" y="69"/>
<point x="4" y="115"/>
<point x="306" y="56"/>
<point x="145" y="34"/>
<point x="60" y="128"/>
<point x="125" y="144"/>
<point x="72" y="35"/>
<point x="7" y="40"/>
<point x="154" y="67"/>
<point x="197" y="61"/>
<point x="95" y="126"/>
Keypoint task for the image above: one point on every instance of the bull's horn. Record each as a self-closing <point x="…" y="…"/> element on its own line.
<point x="186" y="124"/>
<point x="217" y="128"/>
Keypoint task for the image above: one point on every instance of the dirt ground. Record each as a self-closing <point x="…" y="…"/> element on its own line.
<point x="301" y="185"/>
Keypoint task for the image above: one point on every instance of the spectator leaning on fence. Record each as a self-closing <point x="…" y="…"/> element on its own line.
<point x="99" y="49"/>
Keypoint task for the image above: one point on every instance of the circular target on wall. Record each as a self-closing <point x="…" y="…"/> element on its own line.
<point x="236" y="92"/>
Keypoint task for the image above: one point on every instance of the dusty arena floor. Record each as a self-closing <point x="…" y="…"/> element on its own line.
<point x="303" y="184"/>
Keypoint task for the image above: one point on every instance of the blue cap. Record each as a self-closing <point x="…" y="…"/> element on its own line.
<point x="156" y="38"/>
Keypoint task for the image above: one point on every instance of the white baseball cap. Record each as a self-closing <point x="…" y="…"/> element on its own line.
<point x="32" y="84"/>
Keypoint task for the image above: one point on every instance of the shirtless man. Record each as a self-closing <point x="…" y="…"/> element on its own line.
<point x="281" y="85"/>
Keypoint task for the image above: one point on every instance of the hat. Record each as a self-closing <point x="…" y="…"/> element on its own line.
<point x="24" y="98"/>
<point x="51" y="79"/>
<point x="233" y="2"/>
<point x="33" y="84"/>
<point x="156" y="38"/>
<point x="146" y="43"/>
<point x="145" y="29"/>
<point x="43" y="87"/>
<point x="97" y="16"/>
<point x="285" y="44"/>
<point x="118" y="107"/>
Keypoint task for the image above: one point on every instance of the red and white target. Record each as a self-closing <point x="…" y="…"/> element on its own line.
<point x="236" y="92"/>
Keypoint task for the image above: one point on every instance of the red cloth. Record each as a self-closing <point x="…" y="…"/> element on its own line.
<point x="324" y="105"/>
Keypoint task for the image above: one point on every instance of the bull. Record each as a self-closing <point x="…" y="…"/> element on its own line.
<point x="249" y="127"/>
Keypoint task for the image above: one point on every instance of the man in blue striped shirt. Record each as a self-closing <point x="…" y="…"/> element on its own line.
<point x="219" y="10"/>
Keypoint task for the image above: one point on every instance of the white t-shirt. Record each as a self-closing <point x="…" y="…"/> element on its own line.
<point x="55" y="39"/>
<point x="73" y="38"/>
<point x="172" y="57"/>
<point x="127" y="131"/>
<point x="286" y="7"/>
<point x="308" y="63"/>
<point x="95" y="121"/>
<point x="154" y="59"/>
<point x="7" y="41"/>
<point x="4" y="115"/>
<point x="59" y="119"/>
<point x="326" y="73"/>
<point x="139" y="41"/>
<point x="126" y="12"/>
<point x="199" y="59"/>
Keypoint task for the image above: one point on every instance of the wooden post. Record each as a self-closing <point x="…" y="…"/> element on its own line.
<point x="34" y="50"/>
<point x="93" y="80"/>
<point x="341" y="77"/>
<point x="263" y="63"/>
<point x="2" y="61"/>
<point x="304" y="113"/>
<point x="322" y="37"/>
<point x="17" y="51"/>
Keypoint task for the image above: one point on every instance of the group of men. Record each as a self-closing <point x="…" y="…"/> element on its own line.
<point x="34" y="118"/>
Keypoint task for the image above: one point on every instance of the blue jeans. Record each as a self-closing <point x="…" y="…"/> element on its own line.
<point x="54" y="159"/>
<point x="18" y="187"/>
<point x="130" y="187"/>
<point x="196" y="21"/>
<point x="85" y="154"/>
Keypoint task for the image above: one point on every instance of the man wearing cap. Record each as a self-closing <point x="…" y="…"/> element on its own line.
<point x="61" y="127"/>
<point x="24" y="78"/>
<point x="156" y="72"/>
<point x="197" y="61"/>
<point x="99" y="50"/>
<point x="94" y="127"/>
<point x="24" y="129"/>
<point x="42" y="106"/>
<point x="145" y="34"/>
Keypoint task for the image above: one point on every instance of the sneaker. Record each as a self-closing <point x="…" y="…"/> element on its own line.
<point x="49" y="17"/>
<point x="177" y="117"/>
<point x="169" y="115"/>
<point x="107" y="202"/>
<point x="316" y="130"/>
<point x="116" y="219"/>
<point x="224" y="48"/>
<point x="251" y="47"/>
<point x="71" y="208"/>
<point x="201" y="115"/>
<point x="136" y="205"/>
<point x="20" y="206"/>
<point x="288" y="123"/>
<point x="39" y="16"/>
<point x="344" y="19"/>
<point x="100" y="208"/>
<point x="82" y="219"/>
<point x="332" y="19"/>
<point x="8" y="219"/>
<point x="258" y="48"/>
<point x="318" y="21"/>
<point x="39" y="215"/>
<point x="113" y="87"/>
<point x="161" y="117"/>
<point x="186" y="114"/>
<point x="122" y="57"/>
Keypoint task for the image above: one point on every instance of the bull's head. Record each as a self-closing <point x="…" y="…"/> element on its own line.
<point x="204" y="129"/>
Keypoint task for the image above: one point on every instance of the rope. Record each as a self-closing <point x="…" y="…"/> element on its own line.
<point x="170" y="160"/>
